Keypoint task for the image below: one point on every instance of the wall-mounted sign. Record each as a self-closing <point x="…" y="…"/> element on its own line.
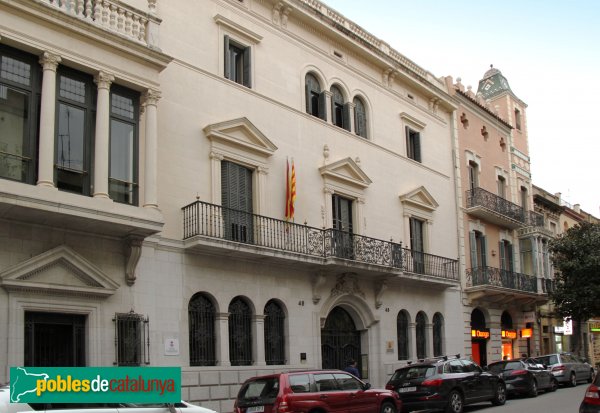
<point x="526" y="332"/>
<point x="483" y="333"/>
<point x="595" y="326"/>
<point x="510" y="334"/>
<point x="566" y="328"/>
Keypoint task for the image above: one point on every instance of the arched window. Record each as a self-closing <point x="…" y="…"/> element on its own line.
<point x="240" y="333"/>
<point x="420" y="329"/>
<point x="201" y="321"/>
<point x="340" y="115"/>
<point x="402" y="333"/>
<point x="274" y="333"/>
<point x="438" y="335"/>
<point x="315" y="99"/>
<point x="360" y="117"/>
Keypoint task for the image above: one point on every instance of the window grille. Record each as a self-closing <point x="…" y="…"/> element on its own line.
<point x="201" y="319"/>
<point x="132" y="340"/>
<point x="240" y="333"/>
<point x="274" y="334"/>
<point x="402" y="332"/>
<point x="421" y="336"/>
<point x="438" y="331"/>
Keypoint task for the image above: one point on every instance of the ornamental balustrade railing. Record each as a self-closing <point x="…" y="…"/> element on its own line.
<point x="481" y="197"/>
<point x="498" y="277"/>
<point x="115" y="16"/>
<point x="534" y="219"/>
<point x="215" y="221"/>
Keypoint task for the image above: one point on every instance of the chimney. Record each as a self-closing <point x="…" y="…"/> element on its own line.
<point x="577" y="208"/>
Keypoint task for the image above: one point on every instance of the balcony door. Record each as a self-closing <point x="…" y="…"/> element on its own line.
<point x="343" y="246"/>
<point x="236" y="199"/>
<point x="417" y="245"/>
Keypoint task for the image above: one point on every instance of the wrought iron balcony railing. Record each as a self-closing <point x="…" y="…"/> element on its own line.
<point x="480" y="197"/>
<point x="501" y="278"/>
<point x="547" y="285"/>
<point x="214" y="221"/>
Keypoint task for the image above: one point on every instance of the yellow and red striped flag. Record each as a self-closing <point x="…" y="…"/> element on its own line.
<point x="287" y="189"/>
<point x="292" y="191"/>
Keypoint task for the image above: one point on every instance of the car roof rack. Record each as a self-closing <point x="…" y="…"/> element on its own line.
<point x="437" y="358"/>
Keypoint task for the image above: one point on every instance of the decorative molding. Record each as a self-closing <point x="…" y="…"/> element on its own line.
<point x="412" y="120"/>
<point x="237" y="28"/>
<point x="347" y="283"/>
<point x="104" y="80"/>
<point x="380" y="287"/>
<point x="50" y="61"/>
<point x="134" y="252"/>
<point x="346" y="171"/>
<point x="420" y="198"/>
<point x="240" y="134"/>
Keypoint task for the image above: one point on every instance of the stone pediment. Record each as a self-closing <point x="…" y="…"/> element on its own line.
<point x="346" y="171"/>
<point x="420" y="198"/>
<point x="58" y="271"/>
<point x="239" y="134"/>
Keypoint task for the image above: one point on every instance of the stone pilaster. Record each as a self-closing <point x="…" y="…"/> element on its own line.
<point x="102" y="144"/>
<point x="49" y="63"/>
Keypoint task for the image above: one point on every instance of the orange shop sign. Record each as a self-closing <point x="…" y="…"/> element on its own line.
<point x="484" y="333"/>
<point x="510" y="334"/>
<point x="526" y="332"/>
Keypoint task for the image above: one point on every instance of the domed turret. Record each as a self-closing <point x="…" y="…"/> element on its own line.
<point x="493" y="83"/>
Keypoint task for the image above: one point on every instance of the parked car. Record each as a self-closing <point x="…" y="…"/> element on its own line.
<point x="328" y="391"/>
<point x="524" y="376"/>
<point x="591" y="399"/>
<point x="183" y="407"/>
<point x="567" y="368"/>
<point x="446" y="383"/>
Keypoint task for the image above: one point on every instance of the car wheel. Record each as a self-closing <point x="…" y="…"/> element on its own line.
<point x="591" y="378"/>
<point x="533" y="391"/>
<point x="388" y="407"/>
<point x="573" y="380"/>
<point x="455" y="402"/>
<point x="554" y="385"/>
<point x="500" y="396"/>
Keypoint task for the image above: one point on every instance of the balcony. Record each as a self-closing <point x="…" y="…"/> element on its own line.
<point x="495" y="285"/>
<point x="223" y="231"/>
<point x="497" y="210"/>
<point x="547" y="285"/>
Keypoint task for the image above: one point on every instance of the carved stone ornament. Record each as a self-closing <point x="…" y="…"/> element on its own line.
<point x="380" y="287"/>
<point x="347" y="284"/>
<point x="134" y="252"/>
<point x="317" y="282"/>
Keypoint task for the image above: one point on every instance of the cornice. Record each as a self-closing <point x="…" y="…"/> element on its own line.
<point x="482" y="108"/>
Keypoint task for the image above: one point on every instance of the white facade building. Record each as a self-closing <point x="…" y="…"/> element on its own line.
<point x="143" y="191"/>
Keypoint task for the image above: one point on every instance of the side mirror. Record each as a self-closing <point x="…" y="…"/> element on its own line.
<point x="367" y="386"/>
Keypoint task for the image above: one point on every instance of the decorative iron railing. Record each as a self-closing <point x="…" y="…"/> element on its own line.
<point x="501" y="278"/>
<point x="547" y="285"/>
<point x="209" y="220"/>
<point x="534" y="219"/>
<point x="493" y="202"/>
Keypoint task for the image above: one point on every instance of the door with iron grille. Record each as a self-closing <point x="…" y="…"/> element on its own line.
<point x="54" y="339"/>
<point x="343" y="244"/>
<point x="340" y="341"/>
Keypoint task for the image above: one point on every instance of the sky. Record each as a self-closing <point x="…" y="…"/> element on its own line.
<point x="549" y="51"/>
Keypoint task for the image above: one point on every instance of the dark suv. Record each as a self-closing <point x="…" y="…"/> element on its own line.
<point x="446" y="383"/>
<point x="320" y="391"/>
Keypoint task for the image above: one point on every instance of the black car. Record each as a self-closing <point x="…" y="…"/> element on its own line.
<point x="591" y="400"/>
<point x="446" y="383"/>
<point x="524" y="376"/>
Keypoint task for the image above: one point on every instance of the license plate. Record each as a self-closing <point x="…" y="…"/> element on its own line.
<point x="255" y="409"/>
<point x="407" y="389"/>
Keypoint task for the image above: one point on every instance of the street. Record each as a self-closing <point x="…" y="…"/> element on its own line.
<point x="564" y="400"/>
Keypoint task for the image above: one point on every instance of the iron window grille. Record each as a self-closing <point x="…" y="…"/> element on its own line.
<point x="421" y="336"/>
<point x="274" y="334"/>
<point x="402" y="335"/>
<point x="240" y="333"/>
<point x="132" y="339"/>
<point x="438" y="329"/>
<point x="201" y="318"/>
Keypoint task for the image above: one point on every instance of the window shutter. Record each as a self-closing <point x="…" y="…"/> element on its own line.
<point x="322" y="106"/>
<point x="510" y="258"/>
<point x="473" y="242"/>
<point x="360" y="120"/>
<point x="227" y="58"/>
<point x="247" y="66"/>
<point x="483" y="252"/>
<point x="409" y="152"/>
<point x="417" y="144"/>
<point x="502" y="257"/>
<point x="225" y="184"/>
<point x="346" y="117"/>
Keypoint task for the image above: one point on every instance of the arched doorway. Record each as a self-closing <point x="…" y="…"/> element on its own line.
<point x="480" y="334"/>
<point x="508" y="334"/>
<point x="340" y="340"/>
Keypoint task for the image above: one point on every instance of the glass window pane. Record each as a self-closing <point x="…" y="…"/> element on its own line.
<point x="14" y="117"/>
<point x="15" y="70"/>
<point x="122" y="106"/>
<point x="121" y="151"/>
<point x="70" y="140"/>
<point x="72" y="89"/>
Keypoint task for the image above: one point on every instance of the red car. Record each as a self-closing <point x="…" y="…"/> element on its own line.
<point x="327" y="391"/>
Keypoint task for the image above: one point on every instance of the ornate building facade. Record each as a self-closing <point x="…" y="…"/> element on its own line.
<point x="143" y="188"/>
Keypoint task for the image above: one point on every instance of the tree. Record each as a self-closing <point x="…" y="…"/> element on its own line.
<point x="576" y="257"/>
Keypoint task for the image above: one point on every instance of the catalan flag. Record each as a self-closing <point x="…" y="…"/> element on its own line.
<point x="290" y="190"/>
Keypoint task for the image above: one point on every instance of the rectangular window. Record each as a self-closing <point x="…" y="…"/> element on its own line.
<point x="75" y="131"/>
<point x="236" y="200"/>
<point x="473" y="175"/>
<point x="132" y="340"/>
<point x="501" y="187"/>
<point x="518" y="119"/>
<point x="478" y="249"/>
<point x="343" y="242"/>
<point x="413" y="144"/>
<point x="19" y="94"/>
<point x="123" y="171"/>
<point x="524" y="202"/>
<point x="506" y="256"/>
<point x="417" y="245"/>
<point x="527" y="256"/>
<point x="237" y="62"/>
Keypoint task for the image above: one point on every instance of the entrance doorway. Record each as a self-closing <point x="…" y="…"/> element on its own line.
<point x="54" y="340"/>
<point x="340" y="340"/>
<point x="478" y="341"/>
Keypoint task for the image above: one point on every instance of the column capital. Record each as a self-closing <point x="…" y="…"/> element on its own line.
<point x="151" y="97"/>
<point x="263" y="170"/>
<point x="328" y="190"/>
<point x="216" y="156"/>
<point x="104" y="80"/>
<point x="50" y="61"/>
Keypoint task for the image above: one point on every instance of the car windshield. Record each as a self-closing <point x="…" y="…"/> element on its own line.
<point x="548" y="360"/>
<point x="260" y="391"/>
<point x="413" y="372"/>
<point x="498" y="368"/>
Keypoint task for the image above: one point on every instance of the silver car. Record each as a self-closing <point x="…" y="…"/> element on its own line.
<point x="567" y="368"/>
